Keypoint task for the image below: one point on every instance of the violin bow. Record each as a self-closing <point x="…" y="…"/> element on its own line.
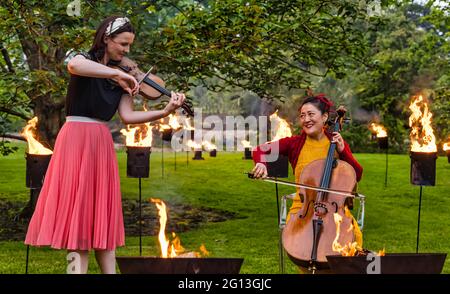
<point x="146" y="75"/>
<point x="308" y="187"/>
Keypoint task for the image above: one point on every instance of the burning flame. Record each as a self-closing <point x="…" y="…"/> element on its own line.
<point x="246" y="144"/>
<point x="209" y="146"/>
<point x="34" y="147"/>
<point x="446" y="146"/>
<point x="351" y="248"/>
<point x="172" y="248"/>
<point x="203" y="250"/>
<point x="140" y="136"/>
<point x="281" y="129"/>
<point x="378" y="129"/>
<point x="173" y="123"/>
<point x="422" y="137"/>
<point x="163" y="242"/>
<point x="163" y="126"/>
<point x="194" y="145"/>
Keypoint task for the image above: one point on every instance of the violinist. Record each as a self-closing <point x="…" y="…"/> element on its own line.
<point x="312" y="144"/>
<point x="79" y="208"/>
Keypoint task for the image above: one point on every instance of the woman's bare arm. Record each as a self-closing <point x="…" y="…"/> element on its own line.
<point x="130" y="116"/>
<point x="81" y="66"/>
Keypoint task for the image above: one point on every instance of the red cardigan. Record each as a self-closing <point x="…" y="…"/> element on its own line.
<point x="291" y="147"/>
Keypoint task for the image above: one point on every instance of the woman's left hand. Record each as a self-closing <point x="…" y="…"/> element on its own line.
<point x="337" y="138"/>
<point x="175" y="102"/>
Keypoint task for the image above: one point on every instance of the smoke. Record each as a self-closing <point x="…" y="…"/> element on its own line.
<point x="422" y="82"/>
<point x="362" y="115"/>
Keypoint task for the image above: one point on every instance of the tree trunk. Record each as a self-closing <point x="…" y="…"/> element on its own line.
<point x="50" y="120"/>
<point x="48" y="109"/>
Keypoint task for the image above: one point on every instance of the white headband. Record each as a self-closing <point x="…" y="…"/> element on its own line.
<point x="115" y="25"/>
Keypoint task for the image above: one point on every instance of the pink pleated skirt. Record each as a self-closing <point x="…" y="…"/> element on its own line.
<point x="79" y="207"/>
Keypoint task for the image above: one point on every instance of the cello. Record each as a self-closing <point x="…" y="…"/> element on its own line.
<point x="151" y="86"/>
<point x="309" y="235"/>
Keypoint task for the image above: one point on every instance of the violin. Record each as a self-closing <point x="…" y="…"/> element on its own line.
<point x="151" y="86"/>
<point x="310" y="234"/>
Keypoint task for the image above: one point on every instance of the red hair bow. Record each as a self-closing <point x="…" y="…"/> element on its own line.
<point x="321" y="97"/>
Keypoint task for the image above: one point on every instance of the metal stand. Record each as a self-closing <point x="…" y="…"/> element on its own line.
<point x="33" y="204"/>
<point x="140" y="218"/>
<point x="386" y="173"/>
<point x="418" y="220"/>
<point x="187" y="157"/>
<point x="162" y="158"/>
<point x="28" y="254"/>
<point x="280" y="241"/>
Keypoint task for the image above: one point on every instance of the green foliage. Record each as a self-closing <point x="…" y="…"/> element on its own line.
<point x="359" y="138"/>
<point x="37" y="39"/>
<point x="408" y="53"/>
<point x="260" y="45"/>
<point x="270" y="49"/>
<point x="5" y="147"/>
<point x="440" y="108"/>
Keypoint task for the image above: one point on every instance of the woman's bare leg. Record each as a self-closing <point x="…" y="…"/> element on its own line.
<point x="106" y="260"/>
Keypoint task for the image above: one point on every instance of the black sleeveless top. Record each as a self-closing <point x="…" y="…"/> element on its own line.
<point x="92" y="97"/>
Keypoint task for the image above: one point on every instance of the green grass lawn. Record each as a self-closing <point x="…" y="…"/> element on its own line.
<point x="390" y="221"/>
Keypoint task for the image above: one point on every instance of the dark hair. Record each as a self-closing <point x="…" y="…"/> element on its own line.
<point x="320" y="101"/>
<point x="97" y="50"/>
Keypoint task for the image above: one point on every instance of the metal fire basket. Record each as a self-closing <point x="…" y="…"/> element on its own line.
<point x="36" y="168"/>
<point x="178" y="265"/>
<point x="138" y="161"/>
<point x="198" y="155"/>
<point x="167" y="135"/>
<point x="383" y="142"/>
<point x="391" y="263"/>
<point x="247" y="153"/>
<point x="423" y="168"/>
<point x="278" y="168"/>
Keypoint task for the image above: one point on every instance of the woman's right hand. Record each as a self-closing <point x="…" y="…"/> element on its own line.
<point x="127" y="82"/>
<point x="259" y="171"/>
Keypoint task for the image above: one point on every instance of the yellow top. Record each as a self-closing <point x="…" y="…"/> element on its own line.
<point x="313" y="150"/>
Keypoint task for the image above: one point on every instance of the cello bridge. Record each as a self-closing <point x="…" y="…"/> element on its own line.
<point x="320" y="208"/>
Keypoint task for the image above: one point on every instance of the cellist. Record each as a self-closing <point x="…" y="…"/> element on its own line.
<point x="312" y="144"/>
